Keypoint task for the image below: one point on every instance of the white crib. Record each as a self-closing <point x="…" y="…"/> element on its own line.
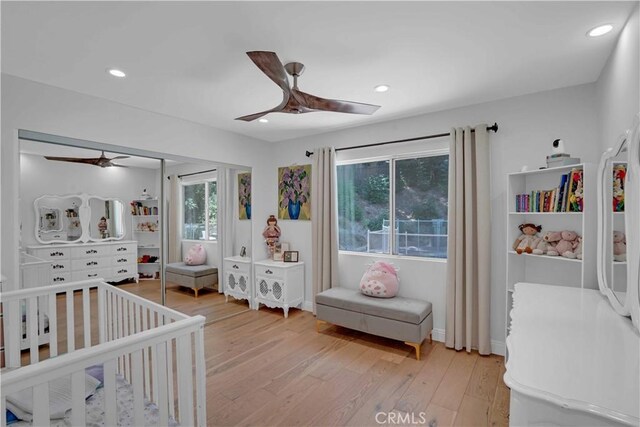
<point x="158" y="351"/>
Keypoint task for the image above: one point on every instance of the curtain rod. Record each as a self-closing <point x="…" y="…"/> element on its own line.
<point x="194" y="173"/>
<point x="494" y="128"/>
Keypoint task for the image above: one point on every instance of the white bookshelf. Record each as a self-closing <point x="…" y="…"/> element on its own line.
<point x="544" y="269"/>
<point x="146" y="231"/>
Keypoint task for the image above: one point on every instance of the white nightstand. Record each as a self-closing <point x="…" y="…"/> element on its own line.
<point x="237" y="278"/>
<point x="279" y="284"/>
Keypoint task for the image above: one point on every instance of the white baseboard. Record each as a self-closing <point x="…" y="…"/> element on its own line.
<point x="498" y="347"/>
<point x="437" y="334"/>
<point x="307" y="306"/>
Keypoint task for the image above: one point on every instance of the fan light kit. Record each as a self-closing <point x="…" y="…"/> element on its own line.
<point x="381" y="88"/>
<point x="600" y="30"/>
<point x="263" y="120"/>
<point x="116" y="73"/>
<point x="294" y="101"/>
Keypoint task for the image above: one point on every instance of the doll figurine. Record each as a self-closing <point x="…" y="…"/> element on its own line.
<point x="529" y="240"/>
<point x="102" y="228"/>
<point x="271" y="233"/>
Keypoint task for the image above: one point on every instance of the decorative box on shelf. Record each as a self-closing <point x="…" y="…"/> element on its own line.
<point x="279" y="284"/>
<point x="237" y="278"/>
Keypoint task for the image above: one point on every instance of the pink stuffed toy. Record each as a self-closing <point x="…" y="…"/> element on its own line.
<point x="196" y="255"/>
<point x="619" y="246"/>
<point x="552" y="238"/>
<point x="566" y="247"/>
<point x="380" y="280"/>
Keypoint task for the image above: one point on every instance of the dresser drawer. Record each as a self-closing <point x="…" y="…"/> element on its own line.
<point x="51" y="253"/>
<point x="105" y="273"/>
<point x="269" y="271"/>
<point x="92" y="251"/>
<point x="60" y="266"/>
<point x="124" y="248"/>
<point x="237" y="267"/>
<point x="57" y="278"/>
<point x="93" y="262"/>
<point x="124" y="271"/>
<point x="122" y="259"/>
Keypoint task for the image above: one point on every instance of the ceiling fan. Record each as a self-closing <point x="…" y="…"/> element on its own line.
<point x="102" y="161"/>
<point x="295" y="101"/>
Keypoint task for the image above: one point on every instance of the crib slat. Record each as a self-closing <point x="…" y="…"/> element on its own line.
<point x="12" y="332"/>
<point x="53" y="325"/>
<point x="86" y="310"/>
<point x="102" y="312"/>
<point x="138" y="388"/>
<point x="145" y="356"/>
<point x="42" y="311"/>
<point x="156" y="369"/>
<point x="78" y="410"/>
<point x="110" y="409"/>
<point x="185" y="379"/>
<point x="32" y="328"/>
<point x="169" y="368"/>
<point x="201" y="408"/>
<point x="71" y="338"/>
<point x="41" y="408"/>
<point x="160" y="385"/>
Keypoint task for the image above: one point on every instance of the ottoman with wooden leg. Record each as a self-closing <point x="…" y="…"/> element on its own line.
<point x="195" y="277"/>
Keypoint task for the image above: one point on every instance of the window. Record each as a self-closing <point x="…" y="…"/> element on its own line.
<point x="200" y="208"/>
<point x="410" y="193"/>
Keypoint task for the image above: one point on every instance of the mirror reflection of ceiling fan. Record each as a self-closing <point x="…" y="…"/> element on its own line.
<point x="102" y="161"/>
<point x="295" y="101"/>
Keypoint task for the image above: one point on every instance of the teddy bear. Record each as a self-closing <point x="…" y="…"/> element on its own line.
<point x="567" y="245"/>
<point x="529" y="240"/>
<point x="380" y="280"/>
<point x="619" y="246"/>
<point x="551" y="238"/>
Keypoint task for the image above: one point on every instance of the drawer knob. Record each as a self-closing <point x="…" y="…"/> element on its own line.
<point x="91" y="251"/>
<point x="121" y="249"/>
<point x="235" y="266"/>
<point x="269" y="272"/>
<point x="92" y="275"/>
<point x="122" y="260"/>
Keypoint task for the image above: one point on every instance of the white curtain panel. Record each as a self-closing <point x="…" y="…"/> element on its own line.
<point x="469" y="244"/>
<point x="175" y="237"/>
<point x="324" y="220"/>
<point x="227" y="202"/>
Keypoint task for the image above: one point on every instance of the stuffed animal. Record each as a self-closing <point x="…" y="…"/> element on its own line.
<point x="529" y="238"/>
<point x="380" y="280"/>
<point x="196" y="255"/>
<point x="619" y="246"/>
<point x="567" y="245"/>
<point x="551" y="238"/>
<point x="578" y="249"/>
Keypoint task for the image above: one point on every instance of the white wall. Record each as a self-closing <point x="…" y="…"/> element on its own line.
<point x="39" y="177"/>
<point x="42" y="108"/>
<point x="618" y="88"/>
<point x="528" y="125"/>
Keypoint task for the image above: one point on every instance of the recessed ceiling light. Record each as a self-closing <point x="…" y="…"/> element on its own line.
<point x="600" y="30"/>
<point x="263" y="120"/>
<point x="115" y="72"/>
<point x="381" y="88"/>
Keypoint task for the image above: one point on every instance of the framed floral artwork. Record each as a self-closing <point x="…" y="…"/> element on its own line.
<point x="294" y="192"/>
<point x="244" y="195"/>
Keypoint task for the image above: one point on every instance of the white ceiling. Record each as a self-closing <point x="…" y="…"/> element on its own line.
<point x="188" y="59"/>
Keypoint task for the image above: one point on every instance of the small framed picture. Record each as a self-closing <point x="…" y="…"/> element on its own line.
<point x="279" y="249"/>
<point x="291" y="256"/>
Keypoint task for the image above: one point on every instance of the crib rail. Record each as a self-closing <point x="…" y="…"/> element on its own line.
<point x="158" y="350"/>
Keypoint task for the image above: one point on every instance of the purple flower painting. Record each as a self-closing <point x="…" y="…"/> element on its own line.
<point x="294" y="192"/>
<point x="244" y="196"/>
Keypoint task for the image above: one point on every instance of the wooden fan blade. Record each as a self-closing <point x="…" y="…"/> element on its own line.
<point x="119" y="157"/>
<point x="73" y="159"/>
<point x="270" y="64"/>
<point x="322" y="104"/>
<point x="252" y="117"/>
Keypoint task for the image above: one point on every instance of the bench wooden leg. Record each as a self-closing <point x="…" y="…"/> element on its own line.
<point x="320" y="323"/>
<point x="430" y="338"/>
<point x="416" y="346"/>
<point x="196" y="291"/>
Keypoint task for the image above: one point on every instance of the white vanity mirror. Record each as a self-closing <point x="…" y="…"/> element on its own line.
<point x="619" y="224"/>
<point x="58" y="219"/>
<point x="107" y="219"/>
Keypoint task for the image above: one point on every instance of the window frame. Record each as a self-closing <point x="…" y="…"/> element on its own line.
<point x="392" y="158"/>
<point x="206" y="182"/>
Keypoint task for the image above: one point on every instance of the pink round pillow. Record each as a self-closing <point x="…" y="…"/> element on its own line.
<point x="196" y="255"/>
<point x="380" y="280"/>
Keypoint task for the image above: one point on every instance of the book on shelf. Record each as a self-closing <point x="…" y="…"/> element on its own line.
<point x="566" y="197"/>
<point x="619" y="174"/>
<point x="137" y="208"/>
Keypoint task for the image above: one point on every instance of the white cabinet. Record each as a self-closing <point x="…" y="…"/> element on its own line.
<point x="237" y="278"/>
<point x="113" y="261"/>
<point x="544" y="269"/>
<point x="145" y="224"/>
<point x="279" y="284"/>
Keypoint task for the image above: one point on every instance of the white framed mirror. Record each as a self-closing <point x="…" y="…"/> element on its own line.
<point x="106" y="219"/>
<point x="58" y="219"/>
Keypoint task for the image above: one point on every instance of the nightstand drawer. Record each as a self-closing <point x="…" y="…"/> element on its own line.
<point x="236" y="267"/>
<point x="269" y="271"/>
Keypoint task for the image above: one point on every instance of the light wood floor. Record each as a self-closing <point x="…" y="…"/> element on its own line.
<point x="264" y="370"/>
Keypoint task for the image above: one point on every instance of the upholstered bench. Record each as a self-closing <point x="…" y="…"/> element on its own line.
<point x="403" y="319"/>
<point x="195" y="277"/>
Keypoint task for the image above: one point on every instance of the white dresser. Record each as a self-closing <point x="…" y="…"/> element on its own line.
<point x="279" y="284"/>
<point x="237" y="278"/>
<point x="572" y="359"/>
<point x="113" y="261"/>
